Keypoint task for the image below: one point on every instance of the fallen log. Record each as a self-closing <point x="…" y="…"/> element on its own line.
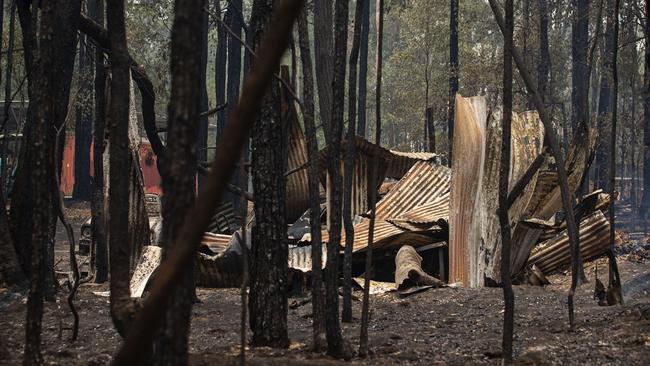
<point x="409" y="275"/>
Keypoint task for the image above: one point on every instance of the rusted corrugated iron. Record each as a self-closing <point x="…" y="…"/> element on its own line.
<point x="400" y="162"/>
<point x="297" y="180"/>
<point x="555" y="253"/>
<point x="431" y="212"/>
<point x="217" y="243"/>
<point x="467" y="174"/>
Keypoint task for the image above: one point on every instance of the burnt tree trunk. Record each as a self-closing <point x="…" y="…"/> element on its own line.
<point x="323" y="46"/>
<point x="453" y="71"/>
<point x="645" y="202"/>
<point x="99" y="233"/>
<point x="605" y="102"/>
<point x="580" y="66"/>
<point x="504" y="173"/>
<point x="544" y="65"/>
<point x="64" y="42"/>
<point x="57" y="36"/>
<point x="346" y="315"/>
<point x="335" y="345"/>
<point x="235" y="22"/>
<point x="318" y="300"/>
<point x="268" y="276"/>
<point x="363" y="69"/>
<point x="10" y="272"/>
<point x="188" y="55"/>
<point x="82" y="189"/>
<point x="374" y="169"/>
<point x="220" y="72"/>
<point x="202" y="131"/>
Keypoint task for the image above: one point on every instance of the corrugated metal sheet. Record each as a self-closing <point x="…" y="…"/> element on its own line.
<point x="555" y="253"/>
<point x="431" y="212"/>
<point x="300" y="258"/>
<point x="400" y="162"/>
<point x="423" y="184"/>
<point x="297" y="181"/>
<point x="216" y="242"/>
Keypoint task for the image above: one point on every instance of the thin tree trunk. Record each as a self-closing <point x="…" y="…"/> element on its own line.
<point x="346" y="315"/>
<point x="335" y="343"/>
<point x="504" y="173"/>
<point x="544" y="64"/>
<point x="220" y="72"/>
<point x="453" y="71"/>
<point x="202" y="131"/>
<point x="235" y="22"/>
<point x="99" y="234"/>
<point x="645" y="202"/>
<point x="82" y="189"/>
<point x="363" y="68"/>
<point x="430" y="130"/>
<point x="605" y="103"/>
<point x="188" y="57"/>
<point x="318" y="300"/>
<point x="8" y="75"/>
<point x="323" y="46"/>
<point x="268" y="282"/>
<point x="551" y="137"/>
<point x="374" y="169"/>
<point x="614" y="276"/>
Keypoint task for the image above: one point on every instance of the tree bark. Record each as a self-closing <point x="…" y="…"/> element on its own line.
<point x="374" y="169"/>
<point x="202" y="131"/>
<point x="363" y="69"/>
<point x="57" y="37"/>
<point x="268" y="286"/>
<point x="335" y="345"/>
<point x="605" y="102"/>
<point x="453" y="71"/>
<point x="544" y="65"/>
<point x="64" y="44"/>
<point x="98" y="209"/>
<point x="323" y="46"/>
<point x="318" y="300"/>
<point x="83" y="125"/>
<point x="188" y="57"/>
<point x="220" y="72"/>
<point x="504" y="173"/>
<point x="10" y="272"/>
<point x="645" y="202"/>
<point x="580" y="66"/>
<point x="346" y="315"/>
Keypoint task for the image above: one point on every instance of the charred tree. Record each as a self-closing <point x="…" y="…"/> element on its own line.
<point x="335" y="342"/>
<point x="318" y="300"/>
<point x="188" y="56"/>
<point x="504" y="174"/>
<point x="82" y="189"/>
<point x="614" y="276"/>
<point x="645" y="202"/>
<point x="268" y="275"/>
<point x="605" y="103"/>
<point x="346" y="315"/>
<point x="374" y="169"/>
<point x="202" y="131"/>
<point x="64" y="44"/>
<point x="10" y="272"/>
<point x="323" y="46"/>
<point x="220" y="61"/>
<point x="363" y="69"/>
<point x="99" y="247"/>
<point x="580" y="67"/>
<point x="453" y="71"/>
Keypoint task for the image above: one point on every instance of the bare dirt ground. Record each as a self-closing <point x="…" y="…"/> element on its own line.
<point x="439" y="326"/>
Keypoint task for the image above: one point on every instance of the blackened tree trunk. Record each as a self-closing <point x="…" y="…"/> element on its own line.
<point x="235" y="22"/>
<point x="187" y="67"/>
<point x="605" y="101"/>
<point x="118" y="210"/>
<point x="318" y="300"/>
<point x="83" y="124"/>
<point x="268" y="281"/>
<point x="645" y="202"/>
<point x="363" y="69"/>
<point x="580" y="66"/>
<point x="64" y="43"/>
<point x="431" y="132"/>
<point x="220" y="71"/>
<point x="504" y="173"/>
<point x="202" y="132"/>
<point x="453" y="71"/>
<point x="335" y="346"/>
<point x="8" y="75"/>
<point x="99" y="234"/>
<point x="323" y="46"/>
<point x="374" y="169"/>
<point x="54" y="39"/>
<point x="614" y="276"/>
<point x="346" y="315"/>
<point x="544" y="65"/>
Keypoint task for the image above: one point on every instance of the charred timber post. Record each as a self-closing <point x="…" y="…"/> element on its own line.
<point x="148" y="319"/>
<point x="557" y="154"/>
